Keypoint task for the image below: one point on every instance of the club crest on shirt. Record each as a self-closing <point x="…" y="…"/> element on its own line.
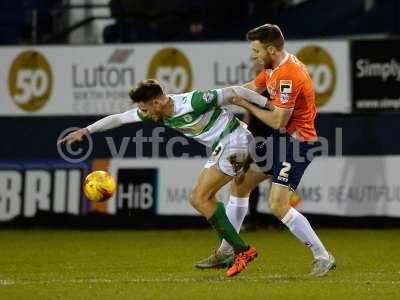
<point x="284" y="97"/>
<point x="285" y="86"/>
<point x="188" y="118"/>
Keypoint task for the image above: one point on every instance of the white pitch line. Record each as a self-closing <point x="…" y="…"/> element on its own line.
<point x="266" y="279"/>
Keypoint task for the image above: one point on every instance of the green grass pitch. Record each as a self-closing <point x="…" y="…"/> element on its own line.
<point x="40" y="264"/>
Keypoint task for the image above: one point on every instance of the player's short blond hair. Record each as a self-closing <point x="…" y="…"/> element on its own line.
<point x="267" y="34"/>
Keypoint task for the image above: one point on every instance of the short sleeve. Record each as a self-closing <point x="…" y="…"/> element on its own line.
<point x="260" y="80"/>
<point x="288" y="90"/>
<point x="203" y="101"/>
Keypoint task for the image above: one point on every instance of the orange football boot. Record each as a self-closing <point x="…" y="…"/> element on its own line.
<point x="241" y="260"/>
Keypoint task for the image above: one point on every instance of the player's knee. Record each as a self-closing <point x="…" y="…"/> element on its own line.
<point x="197" y="197"/>
<point x="242" y="191"/>
<point x="193" y="197"/>
<point x="240" y="188"/>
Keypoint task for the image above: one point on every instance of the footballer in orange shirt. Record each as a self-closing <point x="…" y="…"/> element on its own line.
<point x="284" y="156"/>
<point x="290" y="87"/>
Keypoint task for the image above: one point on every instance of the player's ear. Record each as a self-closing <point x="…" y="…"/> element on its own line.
<point x="154" y="102"/>
<point x="160" y="100"/>
<point x="157" y="102"/>
<point x="271" y="50"/>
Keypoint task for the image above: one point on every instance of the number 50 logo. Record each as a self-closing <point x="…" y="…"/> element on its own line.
<point x="322" y="70"/>
<point x="172" y="69"/>
<point x="30" y="81"/>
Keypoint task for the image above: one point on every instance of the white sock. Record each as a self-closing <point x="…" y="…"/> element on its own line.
<point x="302" y="229"/>
<point x="236" y="210"/>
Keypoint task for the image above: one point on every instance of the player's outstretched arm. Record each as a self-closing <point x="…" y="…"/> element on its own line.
<point x="276" y="118"/>
<point x="103" y="124"/>
<point x="229" y="93"/>
<point x="252" y="86"/>
<point x="74" y="136"/>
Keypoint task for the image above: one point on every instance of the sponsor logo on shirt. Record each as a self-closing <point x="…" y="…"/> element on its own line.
<point x="216" y="151"/>
<point x="283" y="179"/>
<point x="208" y="97"/>
<point x="285" y="86"/>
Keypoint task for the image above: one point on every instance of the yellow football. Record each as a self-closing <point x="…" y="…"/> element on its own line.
<point x="99" y="186"/>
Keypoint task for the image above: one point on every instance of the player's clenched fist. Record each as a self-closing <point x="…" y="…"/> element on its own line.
<point x="74" y="136"/>
<point x="237" y="100"/>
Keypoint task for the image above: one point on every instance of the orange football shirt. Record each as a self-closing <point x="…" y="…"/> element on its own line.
<point x="290" y="86"/>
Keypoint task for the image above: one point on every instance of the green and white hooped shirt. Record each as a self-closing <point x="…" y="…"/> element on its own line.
<point x="198" y="115"/>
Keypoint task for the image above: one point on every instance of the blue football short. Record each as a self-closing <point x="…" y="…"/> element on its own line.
<point x="285" y="158"/>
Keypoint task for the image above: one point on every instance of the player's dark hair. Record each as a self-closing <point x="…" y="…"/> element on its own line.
<point x="146" y="90"/>
<point x="267" y="34"/>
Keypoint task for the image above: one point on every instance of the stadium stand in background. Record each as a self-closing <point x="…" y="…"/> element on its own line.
<point x="45" y="21"/>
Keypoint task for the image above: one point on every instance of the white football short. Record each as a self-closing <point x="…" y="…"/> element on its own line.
<point x="232" y="152"/>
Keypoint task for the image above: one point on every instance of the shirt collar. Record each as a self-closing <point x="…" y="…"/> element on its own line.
<point x="283" y="61"/>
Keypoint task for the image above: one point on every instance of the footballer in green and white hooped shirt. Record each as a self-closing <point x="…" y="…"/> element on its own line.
<point x="197" y="115"/>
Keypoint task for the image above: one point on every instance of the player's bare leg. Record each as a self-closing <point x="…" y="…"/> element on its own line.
<point x="279" y="203"/>
<point x="203" y="199"/>
<point x="239" y="197"/>
<point x="236" y="211"/>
